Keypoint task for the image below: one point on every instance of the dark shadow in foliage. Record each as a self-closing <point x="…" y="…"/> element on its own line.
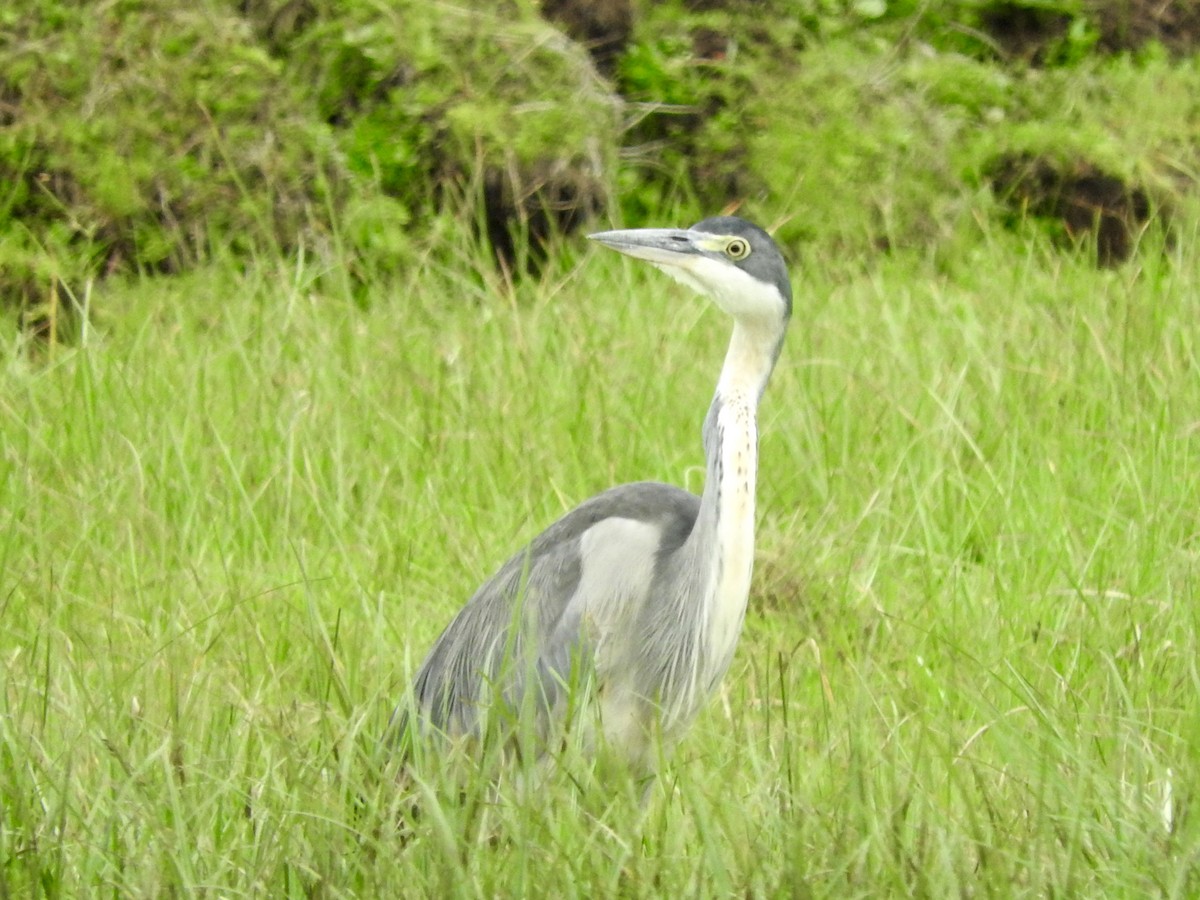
<point x="1028" y="33"/>
<point x="1128" y="24"/>
<point x="602" y="26"/>
<point x="1044" y="33"/>
<point x="278" y="23"/>
<point x="1083" y="199"/>
<point x="523" y="214"/>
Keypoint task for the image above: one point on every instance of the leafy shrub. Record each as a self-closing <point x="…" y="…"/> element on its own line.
<point x="144" y="134"/>
<point x="141" y="134"/>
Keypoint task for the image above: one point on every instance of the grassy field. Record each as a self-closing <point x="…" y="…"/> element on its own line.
<point x="236" y="516"/>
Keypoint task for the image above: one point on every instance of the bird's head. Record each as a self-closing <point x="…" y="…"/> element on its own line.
<point x="732" y="261"/>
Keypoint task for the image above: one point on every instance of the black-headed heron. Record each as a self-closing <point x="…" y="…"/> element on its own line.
<point x="643" y="587"/>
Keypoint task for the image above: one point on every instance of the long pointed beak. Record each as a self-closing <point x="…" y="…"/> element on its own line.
<point x="664" y="246"/>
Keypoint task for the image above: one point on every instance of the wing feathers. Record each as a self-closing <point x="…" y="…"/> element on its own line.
<point x="573" y="595"/>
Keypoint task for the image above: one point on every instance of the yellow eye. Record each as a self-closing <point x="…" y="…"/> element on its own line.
<point x="737" y="249"/>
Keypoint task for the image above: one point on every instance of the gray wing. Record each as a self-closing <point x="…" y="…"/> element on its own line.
<point x="552" y="606"/>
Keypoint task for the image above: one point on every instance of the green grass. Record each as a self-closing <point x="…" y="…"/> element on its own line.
<point x="236" y="517"/>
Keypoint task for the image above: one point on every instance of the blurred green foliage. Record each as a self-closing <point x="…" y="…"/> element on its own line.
<point x="140" y="129"/>
<point x="145" y="135"/>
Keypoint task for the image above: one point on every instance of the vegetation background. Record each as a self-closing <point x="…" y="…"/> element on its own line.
<point x="300" y="341"/>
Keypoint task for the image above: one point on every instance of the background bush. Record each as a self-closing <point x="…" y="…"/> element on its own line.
<point x="147" y="135"/>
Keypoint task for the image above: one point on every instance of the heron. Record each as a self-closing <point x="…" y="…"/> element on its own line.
<point x="644" y="587"/>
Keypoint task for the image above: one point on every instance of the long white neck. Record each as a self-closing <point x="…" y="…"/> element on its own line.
<point x="723" y="538"/>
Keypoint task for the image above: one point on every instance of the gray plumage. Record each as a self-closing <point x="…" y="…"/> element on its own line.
<point x="640" y="592"/>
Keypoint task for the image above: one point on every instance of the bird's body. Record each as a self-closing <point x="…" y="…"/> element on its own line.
<point x="640" y="592"/>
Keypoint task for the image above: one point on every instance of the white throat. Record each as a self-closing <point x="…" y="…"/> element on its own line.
<point x="748" y="364"/>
